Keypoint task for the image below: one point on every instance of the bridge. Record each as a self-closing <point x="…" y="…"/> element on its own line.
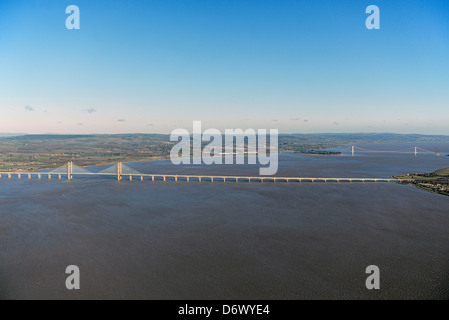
<point x="410" y="150"/>
<point x="120" y="171"/>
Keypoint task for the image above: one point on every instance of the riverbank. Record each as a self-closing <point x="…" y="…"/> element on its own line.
<point x="437" y="181"/>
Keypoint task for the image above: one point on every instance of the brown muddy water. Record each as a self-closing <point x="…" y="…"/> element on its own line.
<point x="156" y="240"/>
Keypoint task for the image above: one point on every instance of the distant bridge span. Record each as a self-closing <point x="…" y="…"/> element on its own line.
<point x="119" y="171"/>
<point x="415" y="151"/>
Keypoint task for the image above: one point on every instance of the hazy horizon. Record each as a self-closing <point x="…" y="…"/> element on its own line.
<point x="7" y="134"/>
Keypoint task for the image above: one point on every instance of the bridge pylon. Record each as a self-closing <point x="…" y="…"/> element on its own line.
<point x="119" y="171"/>
<point x="69" y="170"/>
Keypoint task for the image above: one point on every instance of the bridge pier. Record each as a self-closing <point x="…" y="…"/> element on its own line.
<point x="200" y="178"/>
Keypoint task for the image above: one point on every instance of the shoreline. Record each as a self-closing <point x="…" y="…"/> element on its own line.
<point x="435" y="182"/>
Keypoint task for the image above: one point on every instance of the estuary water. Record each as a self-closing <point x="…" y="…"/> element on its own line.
<point x="156" y="240"/>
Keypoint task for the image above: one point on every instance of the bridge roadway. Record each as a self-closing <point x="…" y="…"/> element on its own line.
<point x="197" y="178"/>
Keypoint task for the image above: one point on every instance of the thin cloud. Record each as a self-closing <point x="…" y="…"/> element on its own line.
<point x="336" y="123"/>
<point x="274" y="120"/>
<point x="121" y="120"/>
<point x="29" y="109"/>
<point x="306" y="121"/>
<point x="91" y="110"/>
<point x="81" y="124"/>
<point x="294" y="119"/>
<point x="151" y="124"/>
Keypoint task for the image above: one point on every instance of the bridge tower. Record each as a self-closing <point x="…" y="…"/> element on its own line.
<point x="119" y="171"/>
<point x="69" y="170"/>
<point x="416" y="151"/>
<point x="353" y="150"/>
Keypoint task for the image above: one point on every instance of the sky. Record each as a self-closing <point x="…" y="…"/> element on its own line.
<point x="305" y="66"/>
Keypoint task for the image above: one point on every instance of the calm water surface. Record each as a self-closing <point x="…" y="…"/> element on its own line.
<point x="229" y="241"/>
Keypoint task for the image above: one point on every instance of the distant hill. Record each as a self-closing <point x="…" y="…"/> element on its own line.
<point x="373" y="137"/>
<point x="3" y="134"/>
<point x="352" y="137"/>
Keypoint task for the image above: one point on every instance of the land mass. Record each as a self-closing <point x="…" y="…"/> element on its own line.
<point x="36" y="152"/>
<point x="437" y="181"/>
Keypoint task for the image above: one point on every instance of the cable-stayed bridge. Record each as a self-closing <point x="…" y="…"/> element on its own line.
<point x="121" y="171"/>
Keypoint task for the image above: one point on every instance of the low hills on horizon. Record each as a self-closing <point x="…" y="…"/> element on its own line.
<point x="386" y="136"/>
<point x="44" y="151"/>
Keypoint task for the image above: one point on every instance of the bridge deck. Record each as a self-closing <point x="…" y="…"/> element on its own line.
<point x="200" y="178"/>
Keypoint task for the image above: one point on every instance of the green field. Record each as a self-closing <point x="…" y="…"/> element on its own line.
<point x="34" y="152"/>
<point x="437" y="181"/>
<point x="442" y="172"/>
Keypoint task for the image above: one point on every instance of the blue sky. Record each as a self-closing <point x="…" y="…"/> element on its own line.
<point x="154" y="66"/>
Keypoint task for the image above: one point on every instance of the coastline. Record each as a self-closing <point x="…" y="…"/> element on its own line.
<point x="435" y="182"/>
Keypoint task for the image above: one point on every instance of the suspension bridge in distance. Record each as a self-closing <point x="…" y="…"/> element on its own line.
<point x="121" y="172"/>
<point x="412" y="151"/>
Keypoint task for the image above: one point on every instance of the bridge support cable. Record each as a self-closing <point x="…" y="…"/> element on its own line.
<point x="411" y="150"/>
